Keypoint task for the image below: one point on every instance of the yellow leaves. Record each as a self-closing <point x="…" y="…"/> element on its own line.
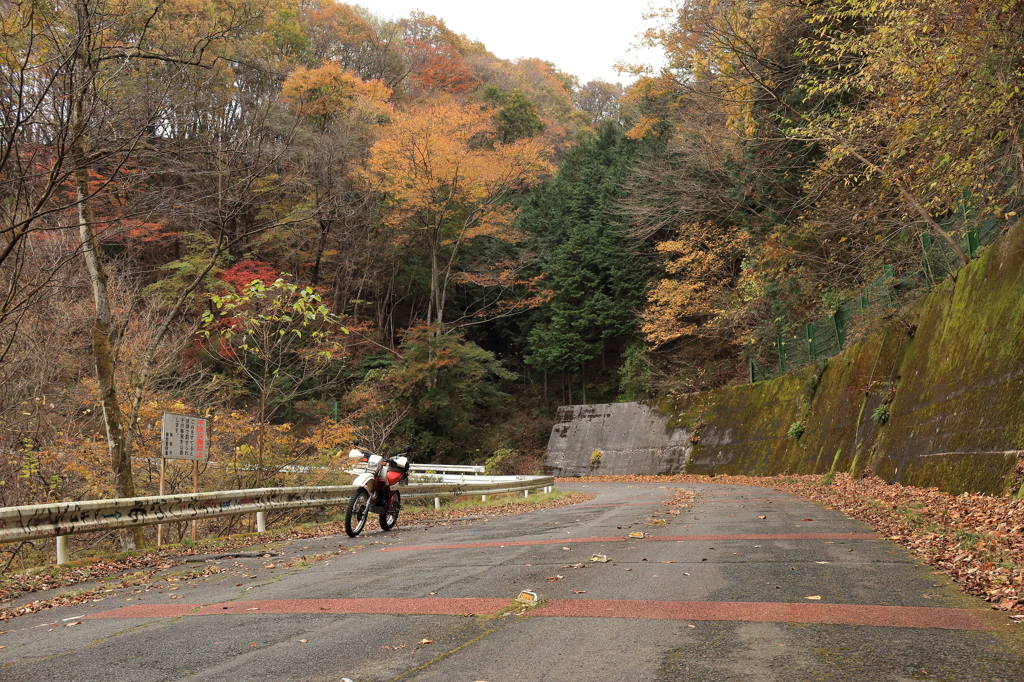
<point x="703" y="268"/>
<point x="439" y="161"/>
<point x="643" y="128"/>
<point x="327" y="92"/>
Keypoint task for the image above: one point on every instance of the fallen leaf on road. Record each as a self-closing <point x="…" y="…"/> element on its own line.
<point x="806" y="519"/>
<point x="636" y="535"/>
<point x="565" y="548"/>
<point x="254" y="608"/>
<point x="762" y="517"/>
<point x="579" y="591"/>
<point x="433" y="593"/>
<point x="691" y="626"/>
<point x="554" y="578"/>
<point x="73" y="624"/>
<point x="599" y="558"/>
<point x="426" y="641"/>
<point x="627" y="569"/>
<point x="573" y="566"/>
<point x="303" y="640"/>
<point x="816" y="597"/>
<point x="668" y="562"/>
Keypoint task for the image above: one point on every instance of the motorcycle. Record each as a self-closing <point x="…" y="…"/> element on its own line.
<point x="376" y="490"/>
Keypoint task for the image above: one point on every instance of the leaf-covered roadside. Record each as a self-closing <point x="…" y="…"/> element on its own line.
<point x="143" y="566"/>
<point x="977" y="540"/>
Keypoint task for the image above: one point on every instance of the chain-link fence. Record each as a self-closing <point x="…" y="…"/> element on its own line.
<point x="827" y="336"/>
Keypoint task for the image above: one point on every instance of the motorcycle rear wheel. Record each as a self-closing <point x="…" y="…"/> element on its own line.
<point x="357" y="512"/>
<point x="389" y="518"/>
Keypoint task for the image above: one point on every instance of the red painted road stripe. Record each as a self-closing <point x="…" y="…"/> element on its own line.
<point x="431" y="606"/>
<point x="764" y="536"/>
<point x="748" y="499"/>
<point x="657" y="538"/>
<point x="763" y="612"/>
<point x="510" y="543"/>
<point x="148" y="611"/>
<point x="613" y="504"/>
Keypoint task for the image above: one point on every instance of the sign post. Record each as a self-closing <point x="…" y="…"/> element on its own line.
<point x="183" y="438"/>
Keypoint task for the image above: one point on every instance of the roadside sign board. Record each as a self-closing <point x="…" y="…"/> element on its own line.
<point x="184" y="437"/>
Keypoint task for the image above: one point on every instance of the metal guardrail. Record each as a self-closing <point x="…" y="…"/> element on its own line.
<point x="449" y="468"/>
<point x="71" y="518"/>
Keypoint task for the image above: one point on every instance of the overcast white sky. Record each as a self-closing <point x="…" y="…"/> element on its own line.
<point x="583" y="38"/>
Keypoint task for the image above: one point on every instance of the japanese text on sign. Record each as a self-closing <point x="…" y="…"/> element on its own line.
<point x="184" y="437"/>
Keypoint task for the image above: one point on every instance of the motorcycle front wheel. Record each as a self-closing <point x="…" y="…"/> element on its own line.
<point x="357" y="512"/>
<point x="389" y="518"/>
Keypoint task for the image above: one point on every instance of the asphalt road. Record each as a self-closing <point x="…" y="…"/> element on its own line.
<point x="715" y="593"/>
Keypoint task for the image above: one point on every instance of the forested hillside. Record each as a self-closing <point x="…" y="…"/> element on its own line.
<point x="314" y="224"/>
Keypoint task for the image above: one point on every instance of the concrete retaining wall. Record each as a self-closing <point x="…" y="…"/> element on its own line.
<point x="948" y="374"/>
<point x="632" y="438"/>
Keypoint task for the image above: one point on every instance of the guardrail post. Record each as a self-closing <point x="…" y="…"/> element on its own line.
<point x="62" y="550"/>
<point x="437" y="503"/>
<point x="483" y="498"/>
<point x="526" y="493"/>
<point x="261" y="522"/>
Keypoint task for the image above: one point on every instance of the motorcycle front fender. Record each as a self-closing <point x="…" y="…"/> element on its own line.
<point x="365" y="480"/>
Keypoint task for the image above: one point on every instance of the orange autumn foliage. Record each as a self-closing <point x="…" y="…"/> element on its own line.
<point x="449" y="180"/>
<point x="703" y="270"/>
<point x="439" y="161"/>
<point x="328" y="92"/>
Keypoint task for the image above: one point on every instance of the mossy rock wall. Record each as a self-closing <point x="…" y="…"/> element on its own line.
<point x="952" y="369"/>
<point x="946" y="379"/>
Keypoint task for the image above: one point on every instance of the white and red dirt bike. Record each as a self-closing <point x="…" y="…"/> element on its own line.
<point x="376" y="490"/>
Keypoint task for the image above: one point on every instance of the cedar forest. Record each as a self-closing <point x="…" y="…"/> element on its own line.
<point x="315" y="225"/>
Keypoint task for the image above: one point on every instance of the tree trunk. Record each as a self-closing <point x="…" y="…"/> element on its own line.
<point x="583" y="381"/>
<point x="113" y="421"/>
<point x="909" y="197"/>
<point x="933" y="226"/>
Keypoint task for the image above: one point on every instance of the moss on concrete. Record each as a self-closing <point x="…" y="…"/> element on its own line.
<point x="954" y="386"/>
